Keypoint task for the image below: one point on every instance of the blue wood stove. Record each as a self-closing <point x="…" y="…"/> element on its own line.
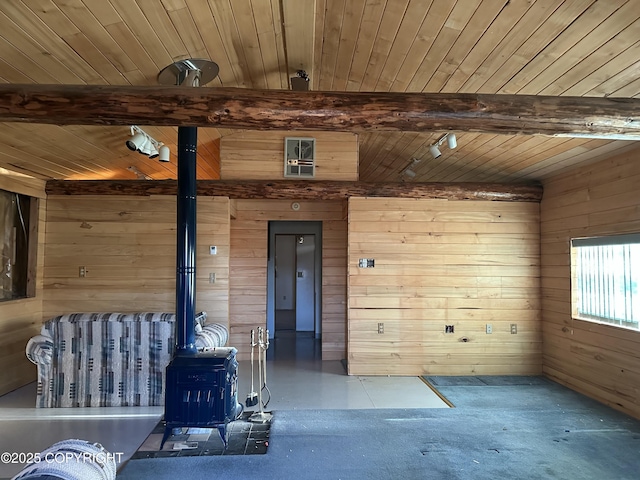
<point x="201" y="387"/>
<point x="202" y="391"/>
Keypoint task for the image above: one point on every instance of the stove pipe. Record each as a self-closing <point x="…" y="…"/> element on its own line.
<point x="190" y="72"/>
<point x="186" y="242"/>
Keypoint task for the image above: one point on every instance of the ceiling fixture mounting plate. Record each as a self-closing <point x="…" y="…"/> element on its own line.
<point x="175" y="73"/>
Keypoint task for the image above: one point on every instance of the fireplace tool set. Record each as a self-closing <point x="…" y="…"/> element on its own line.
<point x="259" y="340"/>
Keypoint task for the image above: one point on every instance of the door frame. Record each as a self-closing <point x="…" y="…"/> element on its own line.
<point x="298" y="227"/>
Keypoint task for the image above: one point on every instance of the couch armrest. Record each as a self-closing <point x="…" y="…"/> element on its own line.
<point x="39" y="350"/>
<point x="211" y="336"/>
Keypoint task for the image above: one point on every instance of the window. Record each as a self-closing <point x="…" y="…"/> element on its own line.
<point x="606" y="274"/>
<point x="17" y="252"/>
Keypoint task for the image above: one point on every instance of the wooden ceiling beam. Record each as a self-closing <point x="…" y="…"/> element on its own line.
<point x="610" y="118"/>
<point x="303" y="190"/>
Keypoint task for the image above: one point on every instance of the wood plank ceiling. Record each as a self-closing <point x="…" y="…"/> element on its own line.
<point x="545" y="47"/>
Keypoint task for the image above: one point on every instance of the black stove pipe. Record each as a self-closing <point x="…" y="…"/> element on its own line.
<point x="186" y="242"/>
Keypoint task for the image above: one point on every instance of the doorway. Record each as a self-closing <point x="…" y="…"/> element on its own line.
<point x="295" y="283"/>
<point x="294" y="278"/>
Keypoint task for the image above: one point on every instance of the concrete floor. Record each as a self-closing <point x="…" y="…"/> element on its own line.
<point x="296" y="376"/>
<point x="502" y="428"/>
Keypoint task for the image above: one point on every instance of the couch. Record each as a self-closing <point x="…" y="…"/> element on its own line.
<point x="109" y="359"/>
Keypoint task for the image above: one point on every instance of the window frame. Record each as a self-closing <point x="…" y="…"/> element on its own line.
<point x="598" y="241"/>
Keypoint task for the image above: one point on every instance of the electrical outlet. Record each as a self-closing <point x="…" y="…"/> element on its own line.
<point x="82" y="271"/>
<point x="366" y="263"/>
<point x="213" y="250"/>
<point x="489" y="328"/>
<point x="514" y="328"/>
<point x="212" y="278"/>
<point x="380" y="327"/>
<point x="448" y="329"/>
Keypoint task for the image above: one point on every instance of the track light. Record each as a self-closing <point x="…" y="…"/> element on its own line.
<point x="164" y="154"/>
<point x="145" y="148"/>
<point x="153" y="150"/>
<point x="409" y="169"/>
<point x="136" y="141"/>
<point x="145" y="144"/>
<point x="452" y="143"/>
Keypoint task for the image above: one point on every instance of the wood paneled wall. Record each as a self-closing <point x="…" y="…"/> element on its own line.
<point x="598" y="360"/>
<point x="21" y="319"/>
<point x="248" y="268"/>
<point x="127" y="245"/>
<point x="257" y="155"/>
<point x="437" y="263"/>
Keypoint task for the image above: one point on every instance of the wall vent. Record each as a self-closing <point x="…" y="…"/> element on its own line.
<point x="299" y="157"/>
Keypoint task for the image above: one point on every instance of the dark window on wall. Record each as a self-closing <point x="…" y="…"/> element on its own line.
<point x="17" y="250"/>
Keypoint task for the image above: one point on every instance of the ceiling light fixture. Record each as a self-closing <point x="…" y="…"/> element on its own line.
<point x="145" y="144"/>
<point x="145" y="148"/>
<point x="300" y="83"/>
<point x="137" y="140"/>
<point x="164" y="154"/>
<point x="153" y="150"/>
<point x="451" y="140"/>
<point x="409" y="169"/>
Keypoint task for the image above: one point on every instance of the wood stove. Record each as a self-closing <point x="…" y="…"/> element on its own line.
<point x="201" y="388"/>
<point x="202" y="391"/>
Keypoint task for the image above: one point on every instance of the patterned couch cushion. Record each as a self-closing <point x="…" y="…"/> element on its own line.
<point x="109" y="359"/>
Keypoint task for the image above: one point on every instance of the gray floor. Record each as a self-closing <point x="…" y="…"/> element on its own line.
<point x="329" y="425"/>
<point x="527" y="431"/>
<point x="298" y="380"/>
